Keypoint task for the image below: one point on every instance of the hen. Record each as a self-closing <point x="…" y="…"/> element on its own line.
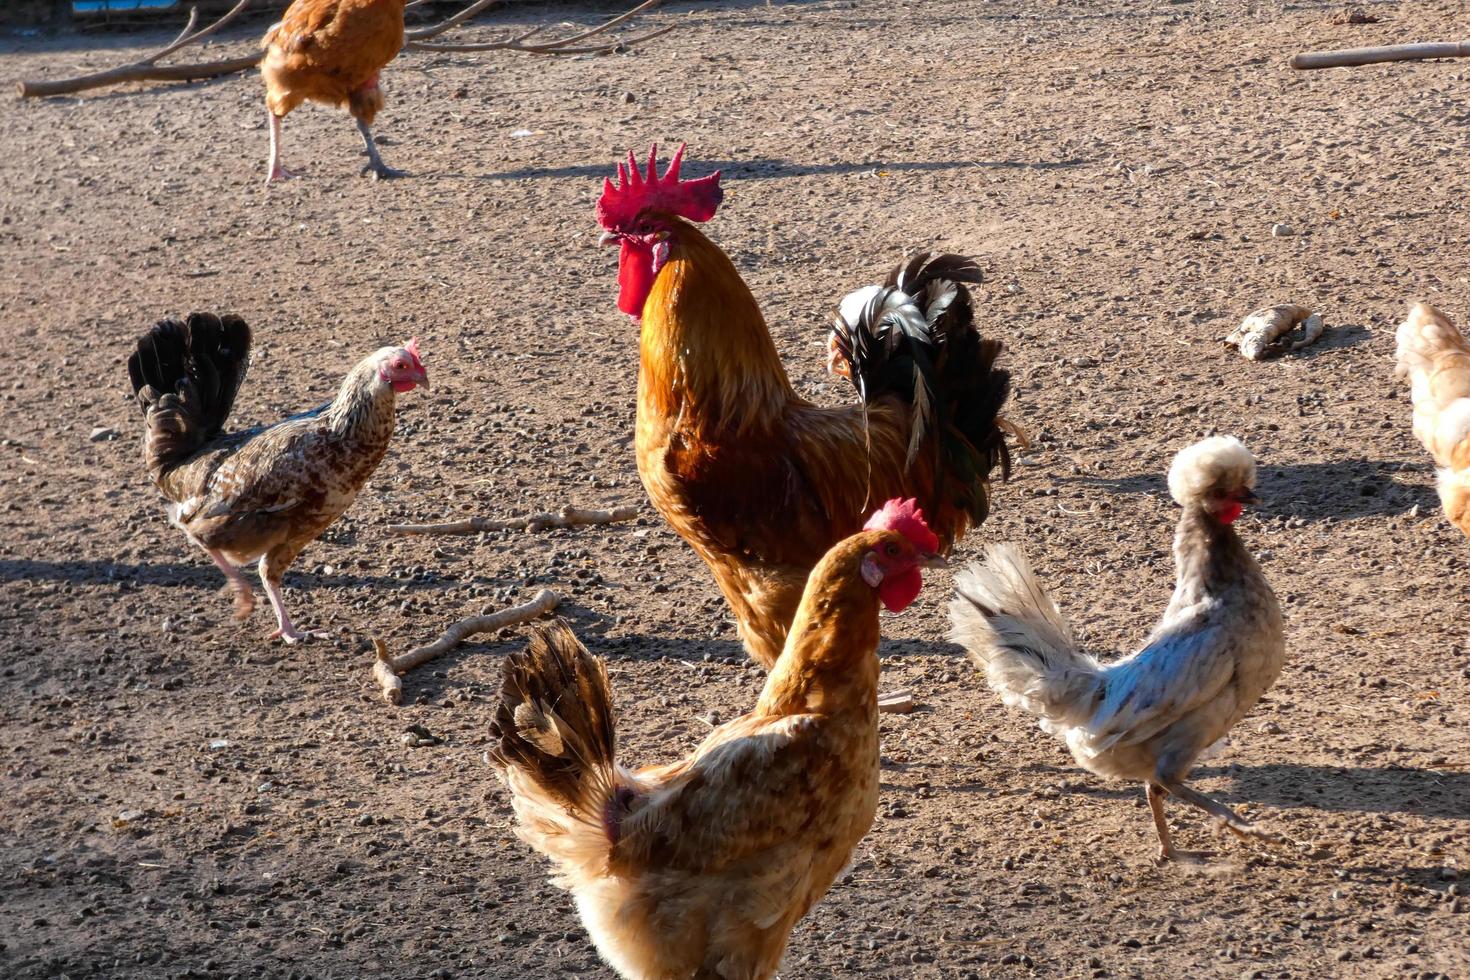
<point x="330" y="51"/>
<point x="758" y="480"/>
<point x="266" y="493"/>
<point x="1435" y="357"/>
<point x="1146" y="717"/>
<point x="701" y="868"/>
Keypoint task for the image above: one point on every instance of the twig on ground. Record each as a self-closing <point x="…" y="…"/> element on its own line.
<point x="1352" y="57"/>
<point x="388" y="670"/>
<point x="566" y="517"/>
<point x="146" y="70"/>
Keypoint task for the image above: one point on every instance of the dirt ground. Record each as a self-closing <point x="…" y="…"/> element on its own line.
<point x="184" y="799"/>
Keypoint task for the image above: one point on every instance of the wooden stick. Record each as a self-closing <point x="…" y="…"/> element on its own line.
<point x="388" y="670"/>
<point x="1350" y="57"/>
<point x="566" y="517"/>
<point x="145" y="69"/>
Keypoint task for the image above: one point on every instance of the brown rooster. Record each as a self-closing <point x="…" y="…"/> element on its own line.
<point x="758" y="480"/>
<point x="700" y="869"/>
<point x="1435" y="357"/>
<point x="330" y="51"/>
<point x="266" y="493"/>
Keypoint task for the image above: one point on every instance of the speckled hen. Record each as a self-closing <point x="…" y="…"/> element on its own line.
<point x="262" y="494"/>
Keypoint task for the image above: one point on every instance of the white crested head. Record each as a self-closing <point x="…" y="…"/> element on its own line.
<point x="1219" y="465"/>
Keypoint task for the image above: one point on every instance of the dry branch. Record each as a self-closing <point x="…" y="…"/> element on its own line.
<point x="416" y="40"/>
<point x="566" y="517"/>
<point x="147" y="69"/>
<point x="1351" y="57"/>
<point x="388" y="670"/>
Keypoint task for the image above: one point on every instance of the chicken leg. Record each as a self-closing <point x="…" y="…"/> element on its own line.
<point x="275" y="169"/>
<point x="1156" y="796"/>
<point x="381" y="171"/>
<point x="1236" y="824"/>
<point x="238" y="584"/>
<point x="273" y="566"/>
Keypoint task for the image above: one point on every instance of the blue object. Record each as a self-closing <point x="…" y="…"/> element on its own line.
<point x="120" y="6"/>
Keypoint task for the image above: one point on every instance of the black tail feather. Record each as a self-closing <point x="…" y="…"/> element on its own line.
<point x="555" y="720"/>
<point x="935" y="360"/>
<point x="185" y="376"/>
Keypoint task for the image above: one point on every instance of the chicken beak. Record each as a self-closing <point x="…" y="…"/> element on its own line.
<point x="609" y="238"/>
<point x="934" y="561"/>
<point x="422" y="380"/>
<point x="1248" y="496"/>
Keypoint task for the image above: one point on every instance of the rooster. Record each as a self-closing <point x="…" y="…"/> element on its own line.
<point x="1435" y="357"/>
<point x="1146" y="717"/>
<point x="266" y="493"/>
<point x="701" y="868"/>
<point x="758" y="480"/>
<point x="330" y="51"/>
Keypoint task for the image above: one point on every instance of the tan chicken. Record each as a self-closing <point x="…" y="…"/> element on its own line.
<point x="263" y="494"/>
<point x="330" y="51"/>
<point x="1148" y="716"/>
<point x="700" y="869"/>
<point x="1435" y="357"/>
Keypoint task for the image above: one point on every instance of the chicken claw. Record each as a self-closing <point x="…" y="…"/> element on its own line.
<point x="292" y="635"/>
<point x="1236" y="824"/>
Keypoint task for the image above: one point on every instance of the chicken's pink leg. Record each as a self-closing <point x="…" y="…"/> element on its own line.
<point x="244" y="597"/>
<point x="275" y="169"/>
<point x="286" y="630"/>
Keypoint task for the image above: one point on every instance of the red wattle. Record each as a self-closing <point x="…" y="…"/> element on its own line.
<point x="402" y="385"/>
<point x="1230" y="512"/>
<point x="900" y="589"/>
<point x="635" y="276"/>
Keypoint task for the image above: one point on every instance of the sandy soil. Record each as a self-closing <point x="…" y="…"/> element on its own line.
<point x="1116" y="167"/>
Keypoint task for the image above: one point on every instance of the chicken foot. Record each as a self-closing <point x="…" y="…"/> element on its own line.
<point x="285" y="629"/>
<point x="1233" y="822"/>
<point x="238" y="584"/>
<point x="380" y="170"/>
<point x="275" y="169"/>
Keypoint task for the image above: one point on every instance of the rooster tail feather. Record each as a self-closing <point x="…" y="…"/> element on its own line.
<point x="1012" y="630"/>
<point x="185" y="375"/>
<point x="914" y="338"/>
<point x="555" y="745"/>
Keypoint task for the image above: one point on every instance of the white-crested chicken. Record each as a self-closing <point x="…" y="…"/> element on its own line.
<point x="330" y="51"/>
<point x="265" y="493"/>
<point x="701" y="868"/>
<point x="760" y="481"/>
<point x="1148" y="716"/>
<point x="1435" y="357"/>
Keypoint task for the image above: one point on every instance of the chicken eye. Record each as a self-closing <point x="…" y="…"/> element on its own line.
<point x="892" y="550"/>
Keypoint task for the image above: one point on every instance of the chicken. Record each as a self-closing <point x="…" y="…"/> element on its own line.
<point x="1435" y="357"/>
<point x="701" y="868"/>
<point x="758" y="480"/>
<point x="266" y="493"/>
<point x="1148" y="716"/>
<point x="330" y="51"/>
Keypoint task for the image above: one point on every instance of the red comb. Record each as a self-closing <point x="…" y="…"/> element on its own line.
<point x="696" y="200"/>
<point x="905" y="517"/>
<point x="413" y="351"/>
